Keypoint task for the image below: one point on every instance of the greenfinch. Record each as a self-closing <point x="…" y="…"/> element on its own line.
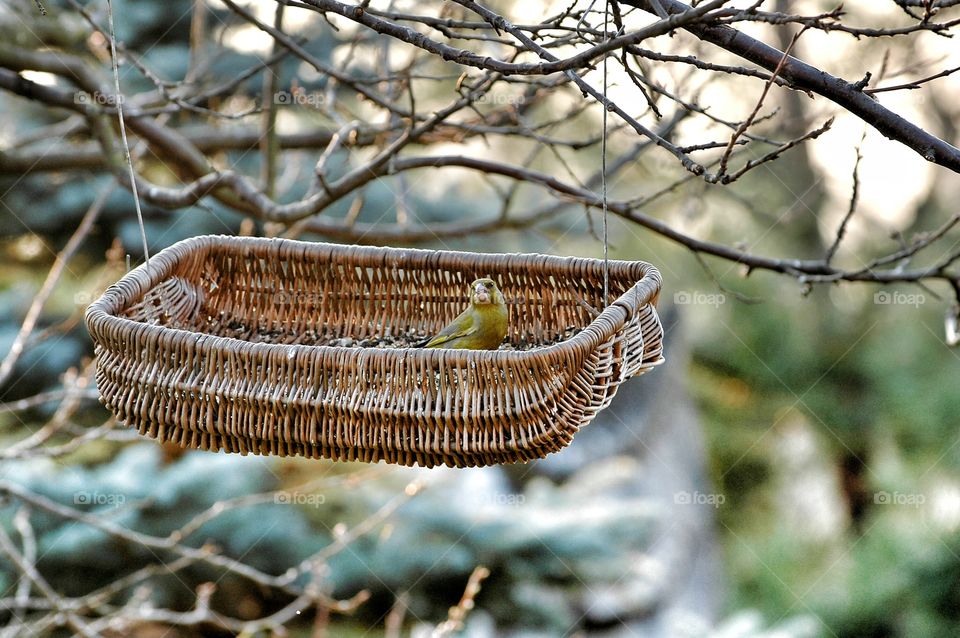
<point x="482" y="326"/>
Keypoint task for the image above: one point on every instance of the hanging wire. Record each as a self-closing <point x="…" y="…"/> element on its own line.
<point x="603" y="164"/>
<point x="118" y="100"/>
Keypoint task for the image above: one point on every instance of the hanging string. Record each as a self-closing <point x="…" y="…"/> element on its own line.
<point x="603" y="165"/>
<point x="118" y="100"/>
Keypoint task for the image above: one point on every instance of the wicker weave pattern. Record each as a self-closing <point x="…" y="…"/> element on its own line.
<point x="214" y="347"/>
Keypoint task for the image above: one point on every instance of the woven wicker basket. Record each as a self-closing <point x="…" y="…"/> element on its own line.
<point x="218" y="345"/>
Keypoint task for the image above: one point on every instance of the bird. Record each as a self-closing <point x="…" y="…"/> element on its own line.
<point x="482" y="326"/>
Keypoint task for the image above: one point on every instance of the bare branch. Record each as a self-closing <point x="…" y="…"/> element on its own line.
<point x="806" y="77"/>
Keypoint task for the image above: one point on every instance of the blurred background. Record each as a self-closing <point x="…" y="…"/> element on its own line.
<point x="791" y="470"/>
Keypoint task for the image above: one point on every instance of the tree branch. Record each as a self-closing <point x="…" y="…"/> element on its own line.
<point x="809" y="78"/>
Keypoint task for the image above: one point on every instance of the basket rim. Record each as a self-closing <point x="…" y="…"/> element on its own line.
<point x="101" y="313"/>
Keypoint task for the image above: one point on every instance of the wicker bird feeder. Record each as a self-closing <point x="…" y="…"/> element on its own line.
<point x="223" y="343"/>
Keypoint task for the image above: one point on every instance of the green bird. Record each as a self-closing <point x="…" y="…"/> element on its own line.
<point x="482" y="326"/>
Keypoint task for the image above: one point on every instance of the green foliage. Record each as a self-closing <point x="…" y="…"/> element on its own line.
<point x="873" y="380"/>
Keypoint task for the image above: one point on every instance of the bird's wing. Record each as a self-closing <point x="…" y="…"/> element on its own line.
<point x="462" y="326"/>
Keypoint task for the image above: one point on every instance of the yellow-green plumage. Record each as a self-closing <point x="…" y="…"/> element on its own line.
<point x="482" y="326"/>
